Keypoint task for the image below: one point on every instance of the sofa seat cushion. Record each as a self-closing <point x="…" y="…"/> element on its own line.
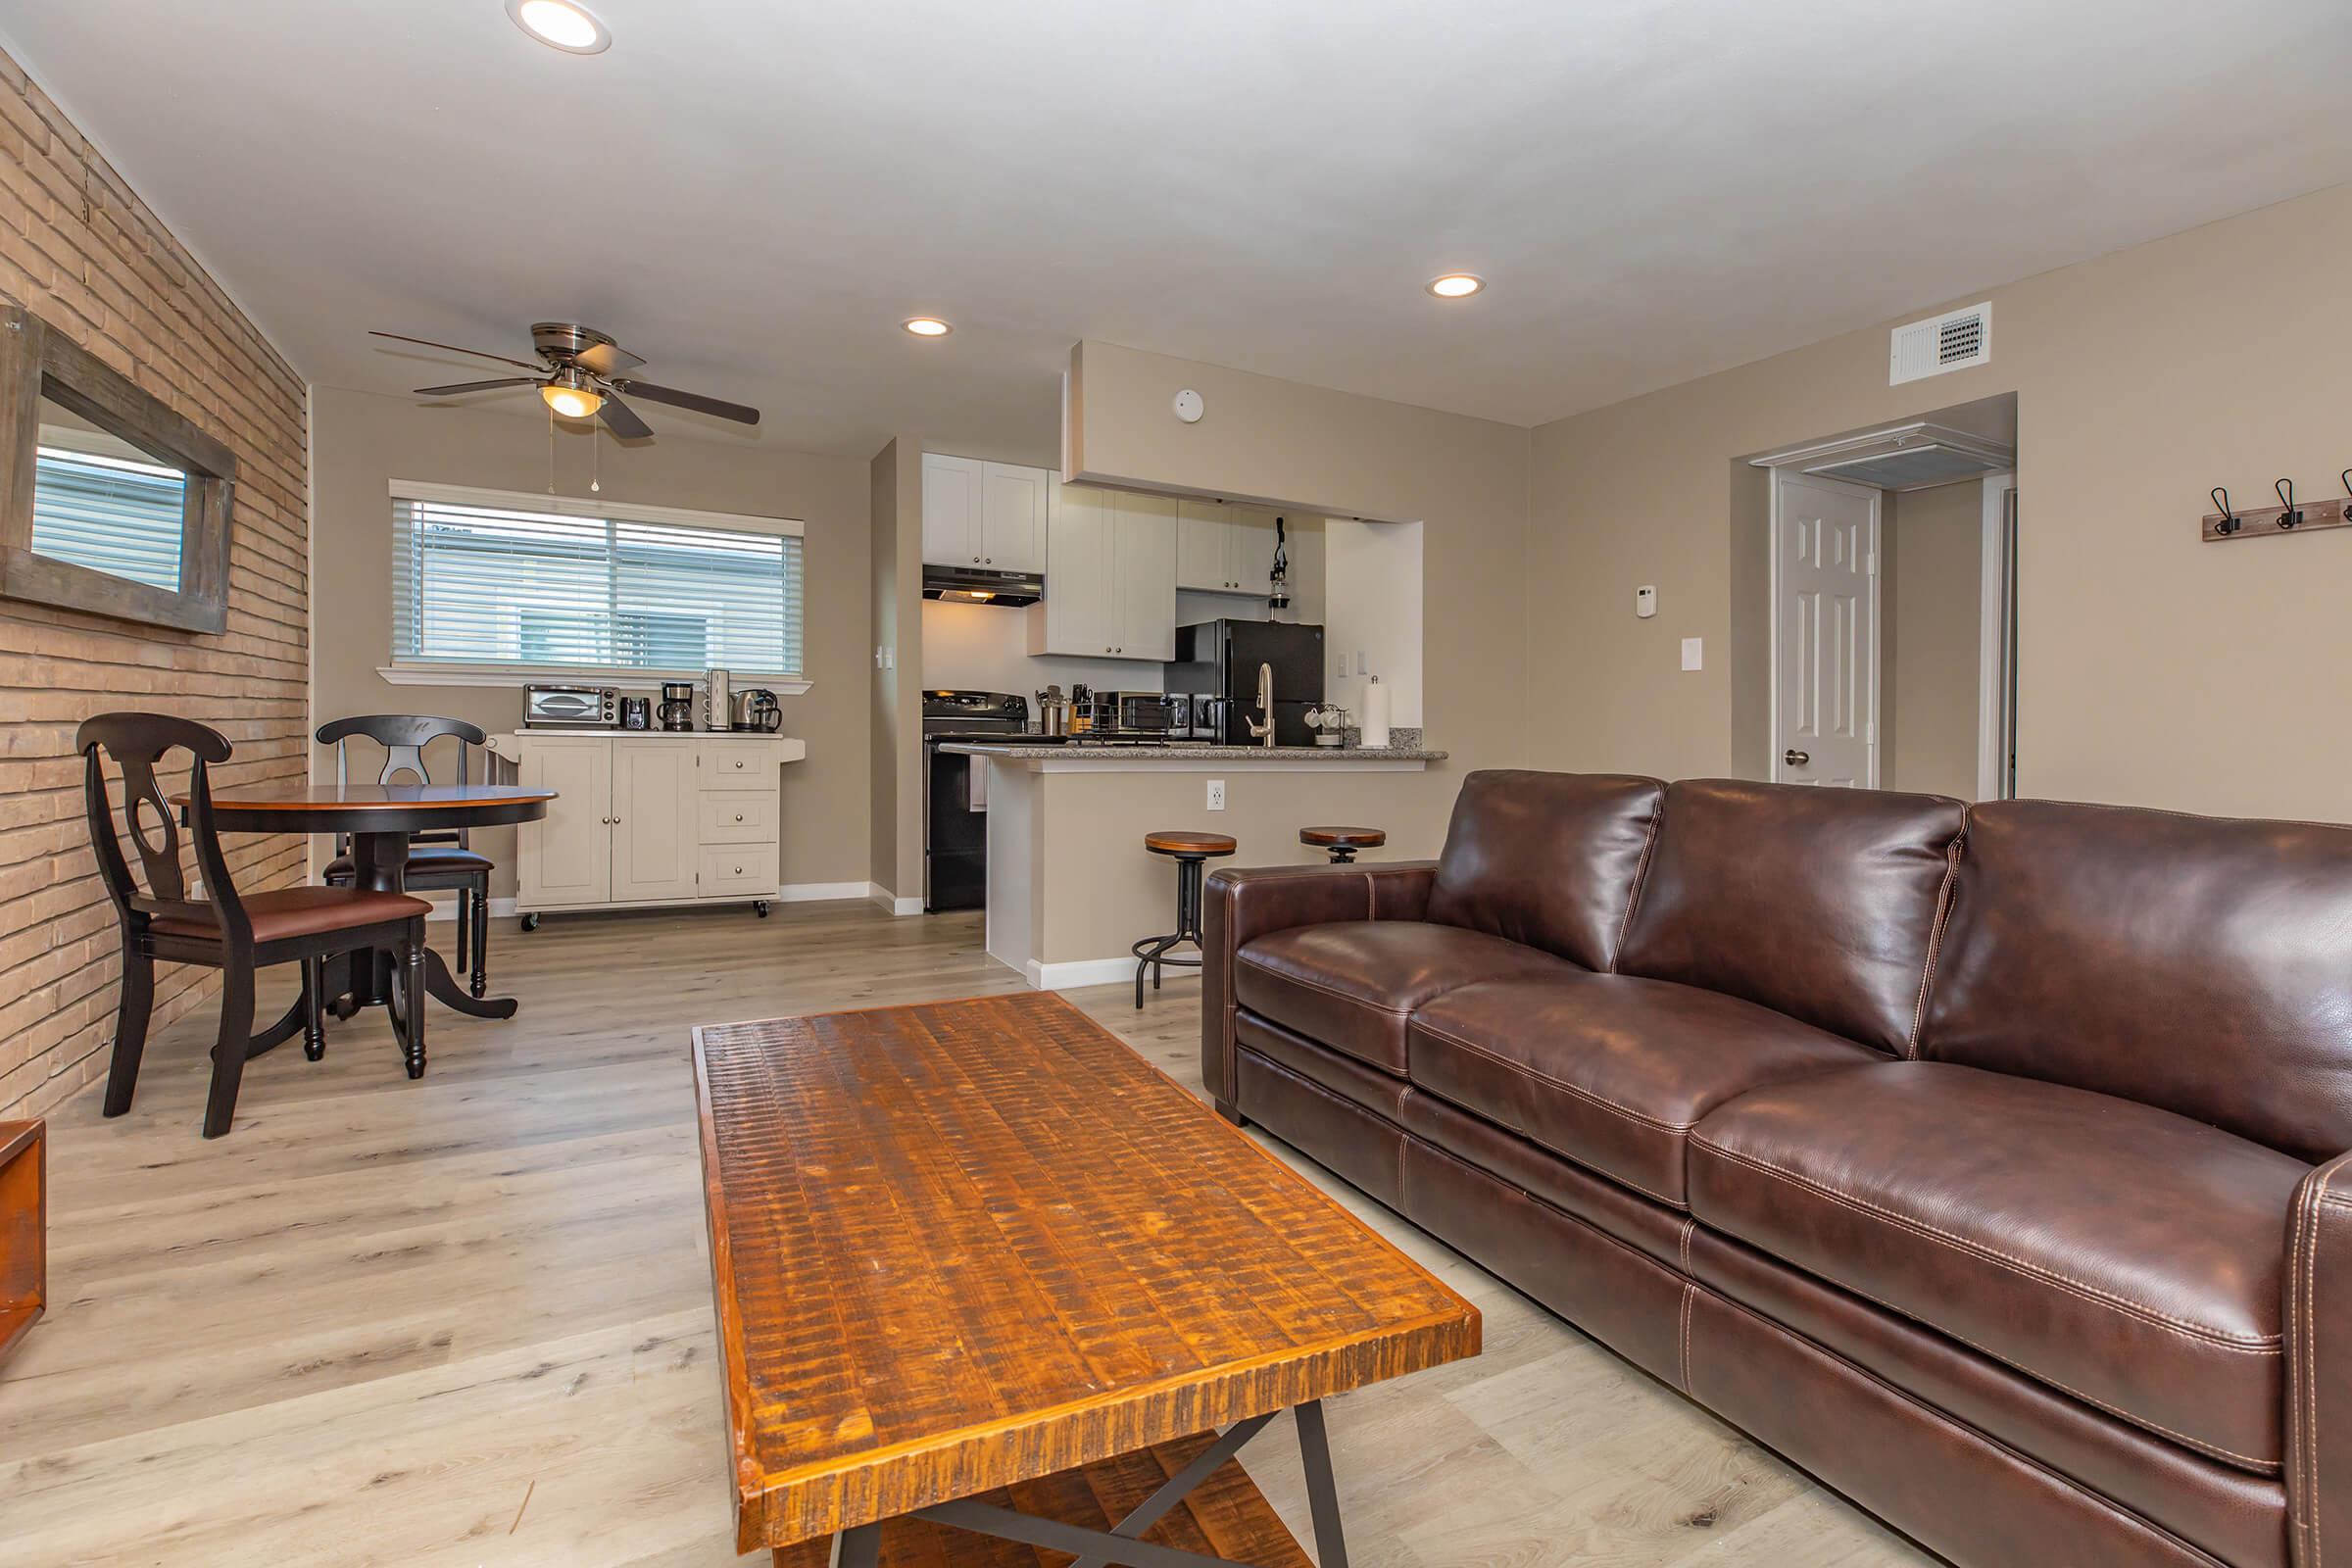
<point x="1351" y="985"/>
<point x="2121" y="1253"/>
<point x="1608" y="1070"/>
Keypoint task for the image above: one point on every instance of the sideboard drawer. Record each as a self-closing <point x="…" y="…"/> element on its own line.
<point x="737" y="765"/>
<point x="739" y="817"/>
<point x="738" y="871"/>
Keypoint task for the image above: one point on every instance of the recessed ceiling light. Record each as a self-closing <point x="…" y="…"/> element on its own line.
<point x="927" y="326"/>
<point x="560" y="24"/>
<point x="1456" y="285"/>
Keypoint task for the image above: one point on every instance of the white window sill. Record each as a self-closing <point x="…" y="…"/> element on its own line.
<point x="626" y="680"/>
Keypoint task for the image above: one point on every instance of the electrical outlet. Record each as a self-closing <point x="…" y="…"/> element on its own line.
<point x="1216" y="794"/>
<point x="1693" y="656"/>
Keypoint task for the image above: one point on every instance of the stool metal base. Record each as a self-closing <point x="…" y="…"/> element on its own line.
<point x="1152" y="953"/>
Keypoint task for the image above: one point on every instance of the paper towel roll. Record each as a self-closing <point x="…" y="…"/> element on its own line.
<point x="1375" y="727"/>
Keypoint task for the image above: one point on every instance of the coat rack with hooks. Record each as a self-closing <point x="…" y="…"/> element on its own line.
<point x="2290" y="516"/>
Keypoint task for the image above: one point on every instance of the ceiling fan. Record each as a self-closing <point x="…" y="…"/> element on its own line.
<point x="582" y="374"/>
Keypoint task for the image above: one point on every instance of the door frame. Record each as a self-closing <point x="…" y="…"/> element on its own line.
<point x="1876" y="497"/>
<point x="1996" y="593"/>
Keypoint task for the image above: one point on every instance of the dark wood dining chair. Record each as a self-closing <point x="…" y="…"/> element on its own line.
<point x="235" y="933"/>
<point x="437" y="861"/>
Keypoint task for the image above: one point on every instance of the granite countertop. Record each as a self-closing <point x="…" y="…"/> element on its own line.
<point x="1183" y="752"/>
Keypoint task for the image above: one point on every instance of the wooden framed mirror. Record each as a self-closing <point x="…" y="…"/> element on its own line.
<point x="110" y="502"/>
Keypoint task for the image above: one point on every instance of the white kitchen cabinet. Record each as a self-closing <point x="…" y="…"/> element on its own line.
<point x="1110" y="576"/>
<point x="985" y="515"/>
<point x="1223" y="549"/>
<point x="645" y="820"/>
<point x="655" y="844"/>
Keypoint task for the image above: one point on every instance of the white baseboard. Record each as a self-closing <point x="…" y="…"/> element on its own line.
<point x="445" y="907"/>
<point x="1078" y="973"/>
<point x="891" y="903"/>
<point x="819" y="892"/>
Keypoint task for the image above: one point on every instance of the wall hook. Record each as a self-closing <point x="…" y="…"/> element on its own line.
<point x="2286" y="498"/>
<point x="2229" y="524"/>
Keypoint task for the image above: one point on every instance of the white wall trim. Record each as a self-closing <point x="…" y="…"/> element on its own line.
<point x="595" y="507"/>
<point x="628" y="680"/>
<point x="820" y="892"/>
<point x="1079" y="973"/>
<point x="1991" y="642"/>
<point x="891" y="903"/>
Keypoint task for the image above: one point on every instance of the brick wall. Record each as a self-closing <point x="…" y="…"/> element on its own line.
<point x="79" y="249"/>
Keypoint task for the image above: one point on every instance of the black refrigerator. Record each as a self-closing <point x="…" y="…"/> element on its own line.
<point x="1220" y="660"/>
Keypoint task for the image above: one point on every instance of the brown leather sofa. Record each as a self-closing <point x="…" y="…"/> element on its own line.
<point x="1984" y="1161"/>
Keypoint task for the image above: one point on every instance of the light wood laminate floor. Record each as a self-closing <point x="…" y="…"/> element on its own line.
<point x="467" y="1321"/>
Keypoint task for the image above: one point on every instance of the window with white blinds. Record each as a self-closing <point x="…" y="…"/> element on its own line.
<point x="108" y="514"/>
<point x="483" y="579"/>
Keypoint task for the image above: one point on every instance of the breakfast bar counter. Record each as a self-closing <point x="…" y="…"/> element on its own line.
<point x="1070" y="885"/>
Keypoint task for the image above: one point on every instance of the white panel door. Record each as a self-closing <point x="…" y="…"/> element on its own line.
<point x="1013" y="516"/>
<point x="1143" y="577"/>
<point x="951" y="506"/>
<point x="567" y="856"/>
<point x="1825" y="631"/>
<point x="653" y="829"/>
<point x="1202" y="555"/>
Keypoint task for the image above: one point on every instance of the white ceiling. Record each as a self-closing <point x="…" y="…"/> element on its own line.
<point x="752" y="195"/>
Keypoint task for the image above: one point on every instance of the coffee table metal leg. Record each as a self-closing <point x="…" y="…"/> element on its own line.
<point x="860" y="1547"/>
<point x="1322" y="1494"/>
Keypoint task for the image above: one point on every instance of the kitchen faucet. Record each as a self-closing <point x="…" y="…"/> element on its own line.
<point x="1264" y="733"/>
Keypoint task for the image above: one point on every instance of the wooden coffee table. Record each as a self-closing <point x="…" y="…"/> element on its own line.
<point x="988" y="1282"/>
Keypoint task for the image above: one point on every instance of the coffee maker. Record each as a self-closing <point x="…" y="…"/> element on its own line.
<point x="676" y="712"/>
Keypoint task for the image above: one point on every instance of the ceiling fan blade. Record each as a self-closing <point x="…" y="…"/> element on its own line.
<point x="606" y="359"/>
<point x="691" y="400"/>
<point x="476" y="386"/>
<point x="622" y="421"/>
<point x="403" y="337"/>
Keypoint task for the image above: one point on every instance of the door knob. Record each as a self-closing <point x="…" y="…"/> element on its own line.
<point x="1795" y="757"/>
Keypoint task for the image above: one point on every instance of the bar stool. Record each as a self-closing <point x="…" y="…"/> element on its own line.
<point x="1344" y="842"/>
<point x="1191" y="851"/>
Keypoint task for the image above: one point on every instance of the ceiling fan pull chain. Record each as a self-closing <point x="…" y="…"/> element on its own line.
<point x="596" y="452"/>
<point x="551" y="449"/>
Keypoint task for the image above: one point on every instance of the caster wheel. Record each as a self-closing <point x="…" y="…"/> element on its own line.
<point x="531" y="922"/>
<point x="760" y="907"/>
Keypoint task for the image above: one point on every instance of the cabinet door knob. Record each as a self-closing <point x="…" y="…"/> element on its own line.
<point x="975" y="560"/>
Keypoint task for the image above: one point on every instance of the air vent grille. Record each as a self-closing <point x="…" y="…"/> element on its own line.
<point x="1953" y="341"/>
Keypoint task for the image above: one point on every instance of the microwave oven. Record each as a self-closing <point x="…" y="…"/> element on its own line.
<point x="569" y="708"/>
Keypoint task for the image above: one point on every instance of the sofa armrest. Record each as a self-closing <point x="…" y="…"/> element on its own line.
<point x="2319" y="1364"/>
<point x="1245" y="905"/>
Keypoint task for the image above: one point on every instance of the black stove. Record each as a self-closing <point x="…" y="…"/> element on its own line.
<point x="955" y="802"/>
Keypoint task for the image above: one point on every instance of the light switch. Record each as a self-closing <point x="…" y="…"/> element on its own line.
<point x="1691" y="653"/>
<point x="1645" y="600"/>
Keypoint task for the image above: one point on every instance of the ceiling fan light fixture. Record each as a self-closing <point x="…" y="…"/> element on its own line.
<point x="571" y="395"/>
<point x="927" y="326"/>
<point x="1456" y="285"/>
<point x="560" y="24"/>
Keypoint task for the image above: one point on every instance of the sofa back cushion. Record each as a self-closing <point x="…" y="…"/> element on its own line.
<point x="1817" y="903"/>
<point x="1547" y="860"/>
<point x="2200" y="965"/>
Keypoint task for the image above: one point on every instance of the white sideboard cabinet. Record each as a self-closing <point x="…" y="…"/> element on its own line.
<point x="649" y="820"/>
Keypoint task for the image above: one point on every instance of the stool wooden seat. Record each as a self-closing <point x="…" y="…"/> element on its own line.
<point x="1344" y="842"/>
<point x="1191" y="851"/>
<point x="1209" y="845"/>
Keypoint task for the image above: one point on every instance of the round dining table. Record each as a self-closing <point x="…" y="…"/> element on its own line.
<point x="379" y="818"/>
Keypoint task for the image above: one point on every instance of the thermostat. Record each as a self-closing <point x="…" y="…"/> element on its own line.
<point x="1645" y="602"/>
<point x="1189" y="407"/>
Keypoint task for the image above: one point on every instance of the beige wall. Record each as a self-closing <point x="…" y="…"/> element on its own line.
<point x="2153" y="668"/>
<point x="882" y="736"/>
<point x="80" y="250"/>
<point x="1338" y="455"/>
<point x="899" y="798"/>
<point x="1929" y="687"/>
<point x="361" y="441"/>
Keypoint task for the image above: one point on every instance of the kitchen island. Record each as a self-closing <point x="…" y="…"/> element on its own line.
<point x="1070" y="885"/>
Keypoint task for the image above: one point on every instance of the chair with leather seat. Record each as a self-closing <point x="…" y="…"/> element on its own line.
<point x="226" y="930"/>
<point x="442" y="862"/>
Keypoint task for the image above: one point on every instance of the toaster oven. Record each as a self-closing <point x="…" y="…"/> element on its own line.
<point x="569" y="708"/>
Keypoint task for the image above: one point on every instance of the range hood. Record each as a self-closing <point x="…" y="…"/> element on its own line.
<point x="968" y="585"/>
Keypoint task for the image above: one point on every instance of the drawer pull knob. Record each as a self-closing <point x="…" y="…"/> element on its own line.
<point x="738" y="816"/>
